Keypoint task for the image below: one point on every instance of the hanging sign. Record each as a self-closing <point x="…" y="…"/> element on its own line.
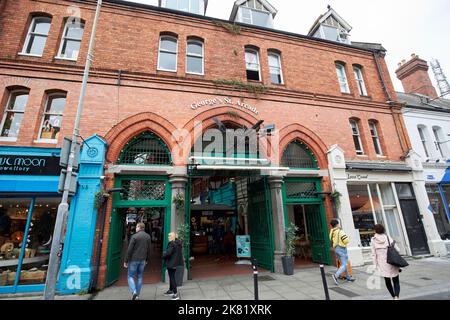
<point x="243" y="248"/>
<point x="29" y="165"/>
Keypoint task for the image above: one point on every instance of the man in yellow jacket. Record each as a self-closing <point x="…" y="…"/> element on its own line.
<point x="339" y="241"/>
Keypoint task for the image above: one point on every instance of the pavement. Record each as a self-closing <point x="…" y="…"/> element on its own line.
<point x="425" y="279"/>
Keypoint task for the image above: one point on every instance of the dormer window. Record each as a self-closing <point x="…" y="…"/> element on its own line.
<point x="192" y="6"/>
<point x="255" y="12"/>
<point x="331" y="26"/>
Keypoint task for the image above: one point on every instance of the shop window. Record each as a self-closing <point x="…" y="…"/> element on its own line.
<point x="438" y="207"/>
<point x="252" y="65"/>
<point x="342" y="77"/>
<point x="13" y="114"/>
<point x="297" y="156"/>
<point x="71" y="40"/>
<point x="360" y="80"/>
<point x="356" y="137"/>
<point x="375" y="137"/>
<point x="168" y="54"/>
<point x="37" y="36"/>
<point x="52" y="117"/>
<point x="195" y="57"/>
<point x="145" y="149"/>
<point x="276" y="76"/>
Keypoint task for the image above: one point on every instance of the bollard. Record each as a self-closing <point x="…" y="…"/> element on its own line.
<point x="324" y="281"/>
<point x="255" y="277"/>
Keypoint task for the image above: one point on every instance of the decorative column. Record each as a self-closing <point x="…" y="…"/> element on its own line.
<point x="178" y="183"/>
<point x="435" y="243"/>
<point x="338" y="176"/>
<point x="279" y="226"/>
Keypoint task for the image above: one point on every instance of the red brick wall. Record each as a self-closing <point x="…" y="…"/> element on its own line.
<point x="414" y="77"/>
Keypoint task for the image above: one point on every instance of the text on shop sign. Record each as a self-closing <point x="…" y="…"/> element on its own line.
<point x="223" y="101"/>
<point x="29" y="165"/>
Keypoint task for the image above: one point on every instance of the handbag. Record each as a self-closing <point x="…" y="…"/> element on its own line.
<point x="393" y="257"/>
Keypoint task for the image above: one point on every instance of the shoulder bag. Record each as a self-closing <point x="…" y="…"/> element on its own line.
<point x="393" y="257"/>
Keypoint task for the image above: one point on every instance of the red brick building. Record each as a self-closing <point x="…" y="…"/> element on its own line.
<point x="331" y="100"/>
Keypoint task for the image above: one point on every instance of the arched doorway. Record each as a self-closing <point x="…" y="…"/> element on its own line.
<point x="142" y="198"/>
<point x="304" y="205"/>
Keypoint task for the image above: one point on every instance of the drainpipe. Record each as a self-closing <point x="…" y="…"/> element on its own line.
<point x="388" y="95"/>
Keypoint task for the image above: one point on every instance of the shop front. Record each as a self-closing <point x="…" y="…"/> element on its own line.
<point x="28" y="205"/>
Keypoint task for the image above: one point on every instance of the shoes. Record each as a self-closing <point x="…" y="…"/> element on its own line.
<point x="396" y="298"/>
<point x="135" y="297"/>
<point x="335" y="279"/>
<point x="176" y="296"/>
<point x="350" y="280"/>
<point x="169" y="293"/>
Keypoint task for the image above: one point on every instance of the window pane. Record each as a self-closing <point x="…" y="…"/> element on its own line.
<point x="252" y="75"/>
<point x="171" y="4"/>
<point x="36" y="45"/>
<point x="275" y="78"/>
<point x="183" y="5"/>
<point x="404" y="190"/>
<point x="41" y="26"/>
<point x="167" y="61"/>
<point x="246" y="15"/>
<point x="195" y="6"/>
<point x="195" y="48"/>
<point x="194" y="65"/>
<point x="18" y="102"/>
<point x="260" y="18"/>
<point x="387" y="195"/>
<point x="51" y="127"/>
<point x="13" y="221"/>
<point x="56" y="105"/>
<point x="11" y="125"/>
<point x="75" y="31"/>
<point x="252" y="62"/>
<point x="70" y="49"/>
<point x="362" y="212"/>
<point x="169" y="44"/>
<point x="330" y="33"/>
<point x="274" y="61"/>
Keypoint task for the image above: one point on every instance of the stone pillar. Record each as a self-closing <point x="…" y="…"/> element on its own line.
<point x="338" y="175"/>
<point x="279" y="228"/>
<point x="178" y="183"/>
<point x="435" y="243"/>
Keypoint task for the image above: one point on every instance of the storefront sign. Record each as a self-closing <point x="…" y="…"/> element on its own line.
<point x="243" y="249"/>
<point x="223" y="101"/>
<point x="357" y="176"/>
<point x="29" y="165"/>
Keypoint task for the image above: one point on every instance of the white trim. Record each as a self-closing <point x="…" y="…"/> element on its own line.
<point x="44" y="113"/>
<point x="359" y="77"/>
<point x="376" y="137"/>
<point x="29" y="55"/>
<point x="8" y="139"/>
<point x="196" y="56"/>
<point x="257" y="58"/>
<point x="67" y="59"/>
<point x="213" y="167"/>
<point x="64" y="38"/>
<point x="52" y="141"/>
<point x="278" y="56"/>
<point x="29" y="33"/>
<point x="402" y="222"/>
<point x="176" y="53"/>
<point x="340" y="66"/>
<point x="359" y="137"/>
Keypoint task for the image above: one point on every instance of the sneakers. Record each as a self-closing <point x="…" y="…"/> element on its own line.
<point x="169" y="293"/>
<point x="176" y="296"/>
<point x="350" y="280"/>
<point x="135" y="297"/>
<point x="335" y="279"/>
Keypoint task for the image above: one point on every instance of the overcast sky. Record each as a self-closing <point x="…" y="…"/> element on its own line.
<point x="403" y="27"/>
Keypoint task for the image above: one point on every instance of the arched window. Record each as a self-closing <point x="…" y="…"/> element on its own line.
<point x="360" y="80"/>
<point x="373" y="125"/>
<point x="356" y="136"/>
<point x="440" y="141"/>
<point x="168" y="53"/>
<point x="52" y="116"/>
<point x="145" y="149"/>
<point x="276" y="76"/>
<point x="71" y="39"/>
<point x="13" y="113"/>
<point x="297" y="155"/>
<point x="424" y="139"/>
<point x="342" y="77"/>
<point x="252" y="64"/>
<point x="195" y="57"/>
<point x="37" y="36"/>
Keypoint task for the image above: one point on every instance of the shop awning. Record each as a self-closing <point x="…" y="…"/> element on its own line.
<point x="378" y="166"/>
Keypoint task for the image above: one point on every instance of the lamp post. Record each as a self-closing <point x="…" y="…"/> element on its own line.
<point x="63" y="208"/>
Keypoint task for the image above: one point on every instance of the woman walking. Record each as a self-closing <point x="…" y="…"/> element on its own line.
<point x="380" y="243"/>
<point x="174" y="258"/>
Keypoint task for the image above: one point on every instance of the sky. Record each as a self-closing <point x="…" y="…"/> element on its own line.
<point x="403" y="27"/>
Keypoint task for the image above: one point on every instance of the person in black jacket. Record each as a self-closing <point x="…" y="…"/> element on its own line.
<point x="138" y="255"/>
<point x="174" y="258"/>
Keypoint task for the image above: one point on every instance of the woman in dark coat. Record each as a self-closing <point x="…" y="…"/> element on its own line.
<point x="174" y="258"/>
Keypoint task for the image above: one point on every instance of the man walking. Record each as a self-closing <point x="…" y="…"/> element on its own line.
<point x="138" y="255"/>
<point x="339" y="241"/>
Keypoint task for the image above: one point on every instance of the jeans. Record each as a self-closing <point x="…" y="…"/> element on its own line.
<point x="395" y="291"/>
<point x="135" y="270"/>
<point x="173" y="283"/>
<point x="343" y="258"/>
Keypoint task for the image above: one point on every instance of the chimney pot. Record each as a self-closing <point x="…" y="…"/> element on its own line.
<point x="415" y="78"/>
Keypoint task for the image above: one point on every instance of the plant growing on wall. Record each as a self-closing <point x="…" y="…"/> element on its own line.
<point x="336" y="196"/>
<point x="233" y="114"/>
<point x="291" y="238"/>
<point x="99" y="199"/>
<point x="184" y="236"/>
<point x="230" y="27"/>
<point x="256" y="89"/>
<point x="178" y="201"/>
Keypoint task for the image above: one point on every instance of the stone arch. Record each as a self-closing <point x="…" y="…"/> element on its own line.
<point x="129" y="128"/>
<point x="315" y="144"/>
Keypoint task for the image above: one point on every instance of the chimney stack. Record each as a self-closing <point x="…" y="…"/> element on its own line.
<point x="414" y="77"/>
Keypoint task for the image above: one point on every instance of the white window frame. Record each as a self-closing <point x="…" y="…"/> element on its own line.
<point x="279" y="67"/>
<point x="6" y="111"/>
<point x="342" y="80"/>
<point x="423" y="139"/>
<point x="241" y="15"/>
<point x="437" y="132"/>
<point x="167" y="51"/>
<point x="45" y="113"/>
<point x="64" y="38"/>
<point x="259" y="63"/>
<point x="190" y="10"/>
<point x="360" y="80"/>
<point x="358" y="134"/>
<point x="195" y="56"/>
<point x="30" y="33"/>
<point x="375" y="137"/>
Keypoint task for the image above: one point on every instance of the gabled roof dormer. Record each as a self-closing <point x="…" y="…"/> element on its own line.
<point x="256" y="12"/>
<point x="331" y="26"/>
<point x="192" y="6"/>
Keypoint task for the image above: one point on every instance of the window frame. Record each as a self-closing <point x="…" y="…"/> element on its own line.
<point x="200" y="2"/>
<point x="360" y="83"/>
<point x="30" y="33"/>
<point x="280" y="66"/>
<point x="259" y="64"/>
<point x="200" y="42"/>
<point x="437" y="136"/>
<point x="167" y="51"/>
<point x="423" y="139"/>
<point x="64" y="38"/>
<point x="375" y="137"/>
<point x="341" y="66"/>
<point x="241" y="15"/>
<point x="51" y="96"/>
<point x="361" y="151"/>
<point x="15" y="93"/>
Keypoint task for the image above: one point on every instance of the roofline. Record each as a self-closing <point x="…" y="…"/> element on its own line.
<point x="206" y="4"/>
<point x="212" y="19"/>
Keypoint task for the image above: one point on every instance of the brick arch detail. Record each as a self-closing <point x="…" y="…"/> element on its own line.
<point x="295" y="132"/>
<point x="129" y="128"/>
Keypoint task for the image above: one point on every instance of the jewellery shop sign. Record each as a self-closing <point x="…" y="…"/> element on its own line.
<point x="29" y="165"/>
<point x="223" y="101"/>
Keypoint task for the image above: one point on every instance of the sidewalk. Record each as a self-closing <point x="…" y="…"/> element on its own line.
<point x="427" y="276"/>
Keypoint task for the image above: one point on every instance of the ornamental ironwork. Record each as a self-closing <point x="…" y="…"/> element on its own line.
<point x="138" y="190"/>
<point x="145" y="149"/>
<point x="298" y="156"/>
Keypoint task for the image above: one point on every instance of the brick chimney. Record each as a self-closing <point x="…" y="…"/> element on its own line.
<point x="414" y="77"/>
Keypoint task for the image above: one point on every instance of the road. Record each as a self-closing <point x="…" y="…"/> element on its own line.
<point x="437" y="296"/>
